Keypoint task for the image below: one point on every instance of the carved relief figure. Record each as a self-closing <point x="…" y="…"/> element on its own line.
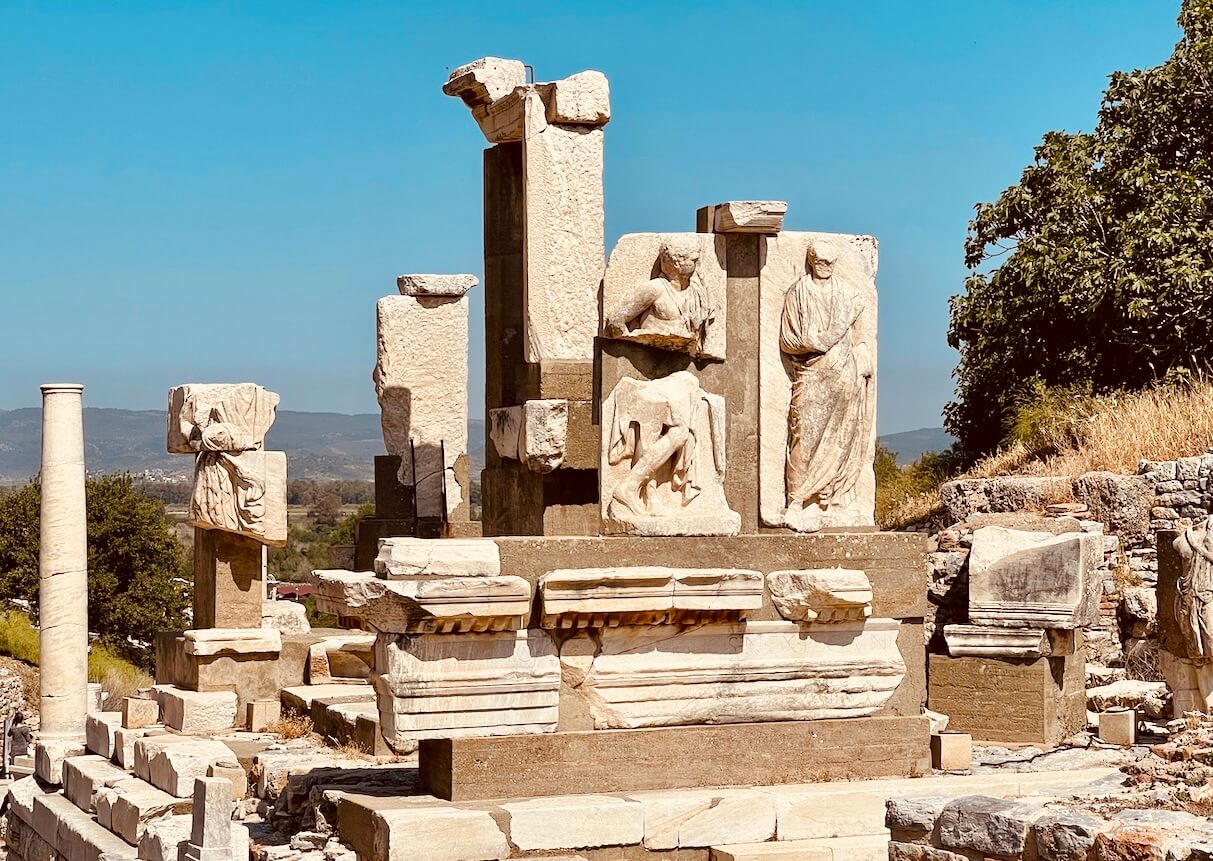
<point x="663" y="443"/>
<point x="671" y="310"/>
<point x="1194" y="592"/>
<point x="831" y="389"/>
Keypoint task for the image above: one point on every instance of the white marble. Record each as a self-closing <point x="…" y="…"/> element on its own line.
<point x="243" y="493"/>
<point x="443" y="557"/>
<point x="662" y="459"/>
<point x="1019" y="578"/>
<point x="63" y="579"/>
<point x="632" y="677"/>
<point x="535" y="433"/>
<point x="749" y="216"/>
<point x="435" y="285"/>
<point x="421" y="379"/>
<point x="232" y="417"/>
<point x="232" y="641"/>
<point x="480" y="684"/>
<point x="978" y="641"/>
<point x="428" y="604"/>
<point x="821" y="595"/>
<point x="580" y="99"/>
<point x="817" y="382"/>
<point x="667" y="290"/>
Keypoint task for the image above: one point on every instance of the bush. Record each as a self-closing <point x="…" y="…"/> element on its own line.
<point x="119" y="678"/>
<point x="18" y="638"/>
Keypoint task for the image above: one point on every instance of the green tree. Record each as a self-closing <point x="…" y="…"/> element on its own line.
<point x="138" y="581"/>
<point x="1097" y="268"/>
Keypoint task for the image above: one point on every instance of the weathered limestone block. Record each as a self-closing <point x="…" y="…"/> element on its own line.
<point x="421" y="380"/>
<point x="400" y="558"/>
<point x="647" y="595"/>
<point x="744" y="216"/>
<point x="667" y="290"/>
<point x="1065" y="836"/>
<point x="633" y="677"/>
<point x="426" y="604"/>
<point x="174" y="768"/>
<point x="136" y="803"/>
<point x="205" y="642"/>
<point x="99" y="732"/>
<point x="486" y="80"/>
<point x="197" y="711"/>
<point x="817" y="389"/>
<point x="262" y="713"/>
<point x="124" y="743"/>
<point x="77" y="836"/>
<point x="1034" y="579"/>
<point x="976" y="641"/>
<point x="234" y="774"/>
<point x="821" y="595"/>
<point x="663" y="459"/>
<point x="341" y="658"/>
<point x="138" y="712"/>
<point x="232" y="417"/>
<point x="406" y="833"/>
<point x="49" y="757"/>
<point x="85" y="776"/>
<point x="583" y="99"/>
<point x="574" y="822"/>
<point x="435" y="285"/>
<point x="451" y="685"/>
<point x="287" y="617"/>
<point x="535" y="433"/>
<point x="243" y="493"/>
<point x="163" y="839"/>
<point x="563" y="241"/>
<point x="1150" y="698"/>
<point x="681" y="819"/>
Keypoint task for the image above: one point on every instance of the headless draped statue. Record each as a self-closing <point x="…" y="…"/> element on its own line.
<point x="831" y="389"/>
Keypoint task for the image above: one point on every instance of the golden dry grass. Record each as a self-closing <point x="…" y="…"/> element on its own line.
<point x="1072" y="435"/>
<point x="291" y="725"/>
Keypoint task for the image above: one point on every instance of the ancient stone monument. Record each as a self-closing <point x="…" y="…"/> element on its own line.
<point x="672" y="440"/>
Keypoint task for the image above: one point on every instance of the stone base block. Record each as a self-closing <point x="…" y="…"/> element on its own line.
<point x="463" y="769"/>
<point x="49" y="756"/>
<point x="138" y="712"/>
<point x="85" y="776"/>
<point x="197" y="711"/>
<point x="1118" y="727"/>
<point x="952" y="751"/>
<point x="74" y="834"/>
<point x="174" y="768"/>
<point x="99" y="731"/>
<point x="124" y="743"/>
<point x="261" y="713"/>
<point x="1011" y="701"/>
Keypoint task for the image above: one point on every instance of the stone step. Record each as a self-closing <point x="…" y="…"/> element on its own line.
<point x="124" y="743"/>
<point x="85" y="776"/>
<point x="134" y="802"/>
<point x="196" y="711"/>
<point x="872" y="848"/>
<point x="173" y="768"/>
<point x="162" y="839"/>
<point x="303" y="698"/>
<point x="99" y="728"/>
<point x="73" y="834"/>
<point x="340" y="720"/>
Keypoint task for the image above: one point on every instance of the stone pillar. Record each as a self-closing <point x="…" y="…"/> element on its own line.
<point x="63" y="590"/>
<point x="211" y="829"/>
<point x="543" y="263"/>
<point x="228" y="583"/>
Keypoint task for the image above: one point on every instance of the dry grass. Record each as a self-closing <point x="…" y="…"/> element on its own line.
<point x="1068" y="433"/>
<point x="119" y="678"/>
<point x="353" y="750"/>
<point x="291" y="725"/>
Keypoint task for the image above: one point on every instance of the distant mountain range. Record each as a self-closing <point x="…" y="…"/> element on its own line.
<point x="911" y="445"/>
<point x="319" y="446"/>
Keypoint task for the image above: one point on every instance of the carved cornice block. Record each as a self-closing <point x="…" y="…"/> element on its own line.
<point x="647" y="595"/>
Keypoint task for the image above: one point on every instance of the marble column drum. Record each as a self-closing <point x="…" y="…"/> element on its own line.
<point x="63" y="569"/>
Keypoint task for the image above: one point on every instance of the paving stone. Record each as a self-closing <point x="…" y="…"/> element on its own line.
<point x="676" y="819"/>
<point x="574" y="822"/>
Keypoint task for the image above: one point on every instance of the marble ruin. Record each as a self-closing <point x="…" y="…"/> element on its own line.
<point x="674" y="623"/>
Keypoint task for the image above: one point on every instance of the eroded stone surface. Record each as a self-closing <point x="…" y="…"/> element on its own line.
<point x="821" y="595"/>
<point x="449" y="557"/>
<point x="631" y="677"/>
<point x="232" y="417"/>
<point x="817" y="384"/>
<point x="244" y="493"/>
<point x="435" y="285"/>
<point x="749" y="216"/>
<point x="663" y="459"/>
<point x="421" y="380"/>
<point x="205" y="642"/>
<point x="647" y="595"/>
<point x="580" y="99"/>
<point x="575" y="822"/>
<point x="667" y="290"/>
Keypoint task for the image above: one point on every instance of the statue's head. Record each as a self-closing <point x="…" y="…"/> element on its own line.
<point x="678" y="259"/>
<point x="820" y="259"/>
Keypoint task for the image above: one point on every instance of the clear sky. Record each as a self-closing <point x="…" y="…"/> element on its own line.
<point x="221" y="191"/>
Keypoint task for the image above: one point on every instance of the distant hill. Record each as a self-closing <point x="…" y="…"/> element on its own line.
<point x="910" y="445"/>
<point x="319" y="446"/>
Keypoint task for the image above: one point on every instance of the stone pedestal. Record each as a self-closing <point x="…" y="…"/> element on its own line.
<point x="1038" y="701"/>
<point x="228" y="582"/>
<point x="63" y="593"/>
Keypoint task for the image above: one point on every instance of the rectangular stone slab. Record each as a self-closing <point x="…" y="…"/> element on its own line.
<point x="473" y="769"/>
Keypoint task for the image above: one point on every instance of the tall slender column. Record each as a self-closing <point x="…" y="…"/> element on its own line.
<point x="63" y="588"/>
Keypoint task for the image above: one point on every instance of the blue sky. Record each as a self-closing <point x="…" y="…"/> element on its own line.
<point x="221" y="191"/>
